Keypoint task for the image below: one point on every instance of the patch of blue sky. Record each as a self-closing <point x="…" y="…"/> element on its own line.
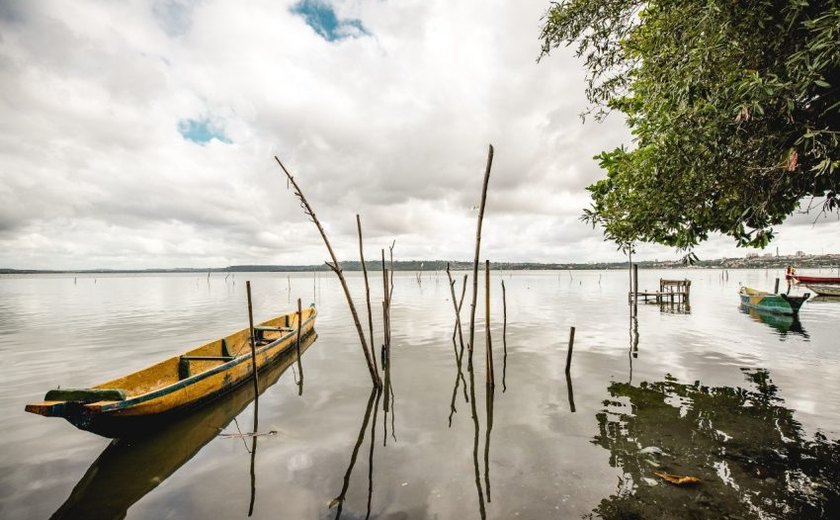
<point x="320" y="15"/>
<point x="173" y="16"/>
<point x="201" y="131"/>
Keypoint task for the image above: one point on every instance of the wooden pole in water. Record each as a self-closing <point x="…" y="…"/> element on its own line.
<point x="367" y="290"/>
<point x="488" y="345"/>
<point x="630" y="273"/>
<point x="635" y="288"/>
<point x="504" y="336"/>
<point x="297" y="346"/>
<point x="635" y="279"/>
<point x="386" y="305"/>
<point x="776" y="287"/>
<point x="569" y="353"/>
<point x="253" y="339"/>
<point x="478" y="250"/>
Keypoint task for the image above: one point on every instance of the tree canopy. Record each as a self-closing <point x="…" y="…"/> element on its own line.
<point x="734" y="108"/>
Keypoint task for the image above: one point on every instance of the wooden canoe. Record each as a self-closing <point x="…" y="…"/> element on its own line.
<point x="128" y="469"/>
<point x="139" y="402"/>
<point x="770" y="302"/>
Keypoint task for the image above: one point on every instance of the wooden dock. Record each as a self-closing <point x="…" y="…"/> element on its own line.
<point x="670" y="292"/>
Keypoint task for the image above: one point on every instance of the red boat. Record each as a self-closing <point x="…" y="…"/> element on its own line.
<point x="823" y="285"/>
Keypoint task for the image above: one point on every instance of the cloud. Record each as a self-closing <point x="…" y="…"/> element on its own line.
<point x="142" y="134"/>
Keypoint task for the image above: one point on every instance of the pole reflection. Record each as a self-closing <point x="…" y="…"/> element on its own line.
<point x="386" y="394"/>
<point x="339" y="500"/>
<point x="476" y="428"/>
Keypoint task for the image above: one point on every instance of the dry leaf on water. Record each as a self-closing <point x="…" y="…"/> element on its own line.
<point x="677" y="480"/>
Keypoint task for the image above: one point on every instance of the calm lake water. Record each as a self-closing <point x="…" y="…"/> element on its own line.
<point x="748" y="404"/>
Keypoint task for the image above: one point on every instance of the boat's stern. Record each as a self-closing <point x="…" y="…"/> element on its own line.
<point x="47" y="408"/>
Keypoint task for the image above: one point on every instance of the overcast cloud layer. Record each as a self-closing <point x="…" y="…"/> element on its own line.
<point x="141" y="134"/>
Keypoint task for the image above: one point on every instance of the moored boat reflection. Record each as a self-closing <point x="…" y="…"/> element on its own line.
<point x="130" y="468"/>
<point x="784" y="324"/>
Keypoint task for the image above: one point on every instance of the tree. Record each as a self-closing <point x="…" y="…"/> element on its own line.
<point x="734" y="108"/>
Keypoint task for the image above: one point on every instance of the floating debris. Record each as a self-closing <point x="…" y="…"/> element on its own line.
<point x="248" y="434"/>
<point x="677" y="480"/>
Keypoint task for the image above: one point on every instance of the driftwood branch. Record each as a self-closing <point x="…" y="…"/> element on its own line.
<point x="374" y="373"/>
<point x="471" y="343"/>
<point x="455" y="306"/>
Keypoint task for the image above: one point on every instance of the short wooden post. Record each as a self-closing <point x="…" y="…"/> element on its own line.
<point x="776" y="287"/>
<point x="253" y="339"/>
<point x="569" y="353"/>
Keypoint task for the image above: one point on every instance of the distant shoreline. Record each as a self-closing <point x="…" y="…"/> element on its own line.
<point x="759" y="262"/>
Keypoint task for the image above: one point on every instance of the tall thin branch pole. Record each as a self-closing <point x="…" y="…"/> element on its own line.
<point x="386" y="304"/>
<point x="488" y="344"/>
<point x="471" y="343"/>
<point x="367" y="290"/>
<point x="504" y="336"/>
<point x="336" y="268"/>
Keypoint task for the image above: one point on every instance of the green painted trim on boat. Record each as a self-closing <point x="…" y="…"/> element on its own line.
<point x="85" y="395"/>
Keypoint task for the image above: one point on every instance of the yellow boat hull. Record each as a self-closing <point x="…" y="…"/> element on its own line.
<point x="179" y="384"/>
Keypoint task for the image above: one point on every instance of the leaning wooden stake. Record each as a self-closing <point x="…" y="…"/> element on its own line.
<point x="367" y="289"/>
<point x="336" y="268"/>
<point x="491" y="377"/>
<point x="253" y="339"/>
<point x="569" y="353"/>
<point x="478" y="251"/>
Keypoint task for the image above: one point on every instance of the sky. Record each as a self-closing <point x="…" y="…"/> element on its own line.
<point x="142" y="134"/>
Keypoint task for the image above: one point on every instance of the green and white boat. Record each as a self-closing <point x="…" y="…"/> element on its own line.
<point x="770" y="302"/>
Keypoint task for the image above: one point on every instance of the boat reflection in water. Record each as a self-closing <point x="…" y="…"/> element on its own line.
<point x="822" y="298"/>
<point x="128" y="469"/>
<point x="785" y="324"/>
<point x="751" y="456"/>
